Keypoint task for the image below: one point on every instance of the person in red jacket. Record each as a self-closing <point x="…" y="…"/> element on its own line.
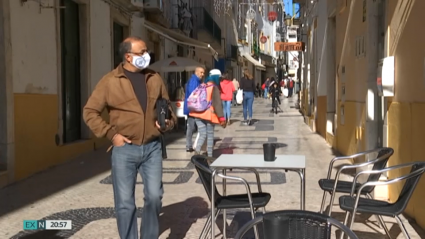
<point x="227" y="89"/>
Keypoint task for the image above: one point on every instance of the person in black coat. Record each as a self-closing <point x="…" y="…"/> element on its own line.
<point x="275" y="93"/>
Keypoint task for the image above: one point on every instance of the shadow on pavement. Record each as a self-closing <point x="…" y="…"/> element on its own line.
<point x="60" y="177"/>
<point x="174" y="217"/>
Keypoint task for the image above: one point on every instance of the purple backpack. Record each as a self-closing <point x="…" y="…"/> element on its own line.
<point x="198" y="100"/>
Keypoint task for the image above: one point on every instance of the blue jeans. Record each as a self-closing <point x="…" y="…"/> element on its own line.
<point x="248" y="100"/>
<point x="127" y="161"/>
<point x="206" y="132"/>
<point x="226" y="109"/>
<point x="266" y="92"/>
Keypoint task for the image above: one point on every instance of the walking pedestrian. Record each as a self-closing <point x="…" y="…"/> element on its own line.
<point x="236" y="85"/>
<point x="129" y="93"/>
<point x="207" y="120"/>
<point x="192" y="84"/>
<point x="248" y="87"/>
<point x="266" y="88"/>
<point x="227" y="90"/>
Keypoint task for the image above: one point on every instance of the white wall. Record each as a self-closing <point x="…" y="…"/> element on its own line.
<point x="35" y="43"/>
<point x="138" y="28"/>
<point x="101" y="41"/>
<point x="33" y="38"/>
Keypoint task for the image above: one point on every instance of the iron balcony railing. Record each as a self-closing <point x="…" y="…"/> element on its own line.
<point x="203" y="20"/>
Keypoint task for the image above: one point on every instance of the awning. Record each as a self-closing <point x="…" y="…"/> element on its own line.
<point x="256" y="63"/>
<point x="292" y="71"/>
<point x="179" y="38"/>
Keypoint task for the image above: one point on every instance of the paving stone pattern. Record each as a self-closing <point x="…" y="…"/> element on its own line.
<point x="81" y="190"/>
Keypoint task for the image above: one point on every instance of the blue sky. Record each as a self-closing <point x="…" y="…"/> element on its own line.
<point x="289" y="8"/>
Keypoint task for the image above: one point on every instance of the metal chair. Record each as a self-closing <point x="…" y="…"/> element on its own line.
<point x="353" y="203"/>
<point x="295" y="224"/>
<point x="333" y="186"/>
<point x="248" y="200"/>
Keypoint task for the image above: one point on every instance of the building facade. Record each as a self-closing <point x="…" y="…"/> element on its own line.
<point x="363" y="72"/>
<point x="53" y="53"/>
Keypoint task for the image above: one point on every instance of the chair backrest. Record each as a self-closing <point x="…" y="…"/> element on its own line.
<point x="205" y="173"/>
<point x="412" y="179"/>
<point x="381" y="162"/>
<point x="296" y="224"/>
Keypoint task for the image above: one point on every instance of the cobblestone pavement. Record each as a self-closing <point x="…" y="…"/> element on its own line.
<point x="81" y="190"/>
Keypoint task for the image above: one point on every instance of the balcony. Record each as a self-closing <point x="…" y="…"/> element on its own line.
<point x="206" y="29"/>
<point x="232" y="53"/>
<point x="158" y="11"/>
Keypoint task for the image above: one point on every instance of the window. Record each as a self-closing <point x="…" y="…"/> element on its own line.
<point x="70" y="69"/>
<point x="118" y="37"/>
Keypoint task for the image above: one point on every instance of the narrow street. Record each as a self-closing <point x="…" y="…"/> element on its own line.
<point x="81" y="190"/>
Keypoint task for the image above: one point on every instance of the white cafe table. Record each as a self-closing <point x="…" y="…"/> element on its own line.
<point x="295" y="163"/>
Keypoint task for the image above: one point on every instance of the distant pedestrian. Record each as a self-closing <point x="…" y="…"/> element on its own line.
<point x="266" y="88"/>
<point x="191" y="85"/>
<point x="291" y="84"/>
<point x="129" y="93"/>
<point x="236" y="85"/>
<point x="227" y="90"/>
<point x="248" y="87"/>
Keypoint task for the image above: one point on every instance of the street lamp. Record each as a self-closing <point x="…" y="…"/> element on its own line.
<point x="250" y="14"/>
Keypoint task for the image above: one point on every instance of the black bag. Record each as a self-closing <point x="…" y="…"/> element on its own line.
<point x="163" y="113"/>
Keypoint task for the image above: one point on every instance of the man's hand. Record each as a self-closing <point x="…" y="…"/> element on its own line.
<point x="119" y="140"/>
<point x="167" y="125"/>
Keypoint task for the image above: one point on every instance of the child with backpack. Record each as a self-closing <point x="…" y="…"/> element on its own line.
<point x="206" y="107"/>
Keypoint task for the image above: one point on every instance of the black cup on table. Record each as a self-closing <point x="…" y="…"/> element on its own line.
<point x="269" y="150"/>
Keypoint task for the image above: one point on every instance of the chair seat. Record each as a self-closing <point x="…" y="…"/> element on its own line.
<point x="241" y="201"/>
<point x="370" y="206"/>
<point x="342" y="186"/>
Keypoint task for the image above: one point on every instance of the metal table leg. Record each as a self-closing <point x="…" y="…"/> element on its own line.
<point x="301" y="173"/>
<point x="224" y="210"/>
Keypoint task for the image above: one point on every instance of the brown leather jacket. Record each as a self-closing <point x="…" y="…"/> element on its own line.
<point x="115" y="93"/>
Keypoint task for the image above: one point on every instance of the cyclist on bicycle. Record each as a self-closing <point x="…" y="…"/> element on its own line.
<point x="275" y="92"/>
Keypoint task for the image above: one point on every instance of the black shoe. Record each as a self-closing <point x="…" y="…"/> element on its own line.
<point x="190" y="150"/>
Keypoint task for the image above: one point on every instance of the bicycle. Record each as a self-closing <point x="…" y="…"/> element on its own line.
<point x="275" y="105"/>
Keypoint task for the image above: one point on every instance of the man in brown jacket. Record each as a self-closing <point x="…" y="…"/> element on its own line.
<point x="129" y="93"/>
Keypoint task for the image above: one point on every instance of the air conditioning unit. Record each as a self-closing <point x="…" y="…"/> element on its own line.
<point x="138" y="3"/>
<point x="153" y="5"/>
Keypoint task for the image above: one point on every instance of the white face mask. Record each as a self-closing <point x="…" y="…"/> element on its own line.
<point x="141" y="62"/>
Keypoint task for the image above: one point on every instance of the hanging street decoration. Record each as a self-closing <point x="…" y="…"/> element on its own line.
<point x="272" y="16"/>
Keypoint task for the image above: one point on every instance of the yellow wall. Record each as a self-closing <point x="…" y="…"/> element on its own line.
<point x="407" y="111"/>
<point x="349" y="136"/>
<point x="36" y="124"/>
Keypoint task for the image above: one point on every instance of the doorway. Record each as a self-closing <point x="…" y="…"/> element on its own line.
<point x="118" y="37"/>
<point x="71" y="70"/>
<point x="3" y="97"/>
<point x="331" y="84"/>
<point x="381" y="101"/>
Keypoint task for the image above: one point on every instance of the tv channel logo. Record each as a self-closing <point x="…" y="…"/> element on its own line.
<point x="34" y="224"/>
